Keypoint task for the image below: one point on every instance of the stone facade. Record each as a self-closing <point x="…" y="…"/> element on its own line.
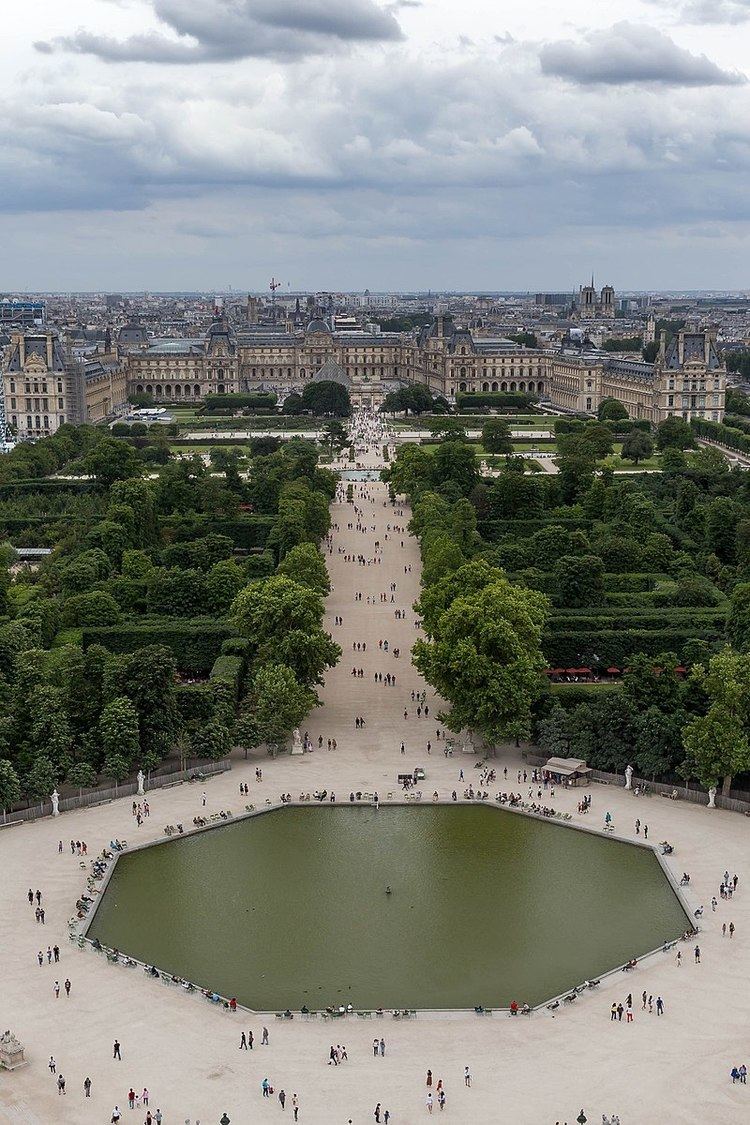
<point x="45" y="386"/>
<point x="686" y="379"/>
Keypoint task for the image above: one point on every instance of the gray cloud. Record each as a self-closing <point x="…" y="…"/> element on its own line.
<point x="707" y="11"/>
<point x="225" y="30"/>
<point x="629" y="54"/>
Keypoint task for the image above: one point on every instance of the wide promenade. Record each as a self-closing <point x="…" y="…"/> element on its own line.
<point x="535" y="1071"/>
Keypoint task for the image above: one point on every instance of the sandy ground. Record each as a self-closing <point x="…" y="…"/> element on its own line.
<point x="538" y="1070"/>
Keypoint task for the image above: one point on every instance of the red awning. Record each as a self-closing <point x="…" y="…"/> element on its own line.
<point x="613" y="671"/>
<point x="571" y="671"/>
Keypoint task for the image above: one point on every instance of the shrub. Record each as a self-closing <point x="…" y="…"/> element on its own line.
<point x="194" y="643"/>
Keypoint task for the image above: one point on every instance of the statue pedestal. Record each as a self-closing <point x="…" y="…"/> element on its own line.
<point x="297" y="747"/>
<point x="11" y="1052"/>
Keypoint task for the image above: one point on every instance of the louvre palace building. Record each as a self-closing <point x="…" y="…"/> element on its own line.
<point x="42" y="388"/>
<point x="687" y="377"/>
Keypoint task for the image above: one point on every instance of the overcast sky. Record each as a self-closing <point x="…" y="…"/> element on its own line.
<point x="337" y="144"/>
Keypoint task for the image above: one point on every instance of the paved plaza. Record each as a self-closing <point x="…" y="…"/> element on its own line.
<point x="535" y="1071"/>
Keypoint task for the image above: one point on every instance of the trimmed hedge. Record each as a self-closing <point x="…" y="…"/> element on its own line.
<point x="44" y="484"/>
<point x="578" y="648"/>
<point x="471" y="400"/>
<point x="195" y="702"/>
<point x="494" y="530"/>
<point x="194" y="643"/>
<point x="596" y="620"/>
<point x="249" y="532"/>
<point x="257" y="399"/>
<point x="230" y="670"/>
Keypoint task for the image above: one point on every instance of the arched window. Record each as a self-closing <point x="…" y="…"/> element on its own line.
<point x="301" y="372"/>
<point x="168" y="389"/>
<point x="462" y="386"/>
<point x="463" y="372"/>
<point x="503" y="386"/>
<point x="494" y="386"/>
<point x="522" y="386"/>
<point x="139" y="390"/>
<point x="196" y="390"/>
<point x="159" y="389"/>
<point x="178" y="391"/>
<point x="220" y="388"/>
<point x="513" y="386"/>
<point x="485" y="386"/>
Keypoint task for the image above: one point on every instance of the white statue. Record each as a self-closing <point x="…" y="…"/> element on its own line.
<point x="468" y="743"/>
<point x="141" y="779"/>
<point x="55" y="799"/>
<point x="628" y="777"/>
<point x="297" y="747"/>
<point x="712" y="797"/>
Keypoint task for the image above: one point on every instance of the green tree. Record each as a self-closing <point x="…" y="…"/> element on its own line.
<point x="10" y="786"/>
<point x="112" y="460"/>
<point x="277" y="703"/>
<point x="455" y="467"/>
<point x="116" y="767"/>
<point x="326" y="398"/>
<point x="118" y="733"/>
<point x="674" y="433"/>
<point x="484" y="658"/>
<point x="673" y="461"/>
<point x="214" y="740"/>
<point x="496" y="436"/>
<point x="579" y="580"/>
<point x="334" y="436"/>
<point x="41" y="779"/>
<point x="411" y="472"/>
<point x="305" y="565"/>
<point x="222" y="584"/>
<point x="637" y="446"/>
<point x="81" y="776"/>
<point x="293" y="404"/>
<point x="283" y="620"/>
<point x="716" y="743"/>
<point x="738" y="618"/>
<point x="611" y="410"/>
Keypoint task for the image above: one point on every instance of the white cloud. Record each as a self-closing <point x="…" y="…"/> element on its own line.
<point x="628" y="53"/>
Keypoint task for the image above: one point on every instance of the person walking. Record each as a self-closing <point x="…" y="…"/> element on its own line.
<point x="731" y="929"/>
<point x="87" y="1087"/>
<point x="382" y="1048"/>
<point x="697" y="952"/>
<point x="376" y="1113"/>
<point x="67" y="987"/>
<point x="52" y="1065"/>
<point x="428" y="1080"/>
<point x="659" y="1006"/>
<point x="250" y="1040"/>
<point x="467" y="1076"/>
<point x="116" y="1051"/>
<point x="429" y="1101"/>
<point x="264" y="1038"/>
<point x="295" y="1107"/>
<point x="56" y="987"/>
<point x="243" y="1042"/>
<point x="282" y="1098"/>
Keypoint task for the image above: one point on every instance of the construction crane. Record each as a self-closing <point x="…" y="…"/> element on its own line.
<point x="273" y="286"/>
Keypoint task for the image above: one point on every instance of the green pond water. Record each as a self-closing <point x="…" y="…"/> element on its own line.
<point x="289" y="908"/>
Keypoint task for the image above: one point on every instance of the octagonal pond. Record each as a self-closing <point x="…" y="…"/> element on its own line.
<point x="289" y="908"/>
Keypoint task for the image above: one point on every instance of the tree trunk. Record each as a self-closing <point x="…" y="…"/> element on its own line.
<point x="726" y="785"/>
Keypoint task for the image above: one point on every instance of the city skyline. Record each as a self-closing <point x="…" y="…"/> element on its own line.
<point x="177" y="145"/>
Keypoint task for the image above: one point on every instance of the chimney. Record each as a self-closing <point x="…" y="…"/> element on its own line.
<point x="662" y="345"/>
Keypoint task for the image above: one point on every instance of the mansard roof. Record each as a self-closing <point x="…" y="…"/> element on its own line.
<point x="35" y="344"/>
<point x="694" y="348"/>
